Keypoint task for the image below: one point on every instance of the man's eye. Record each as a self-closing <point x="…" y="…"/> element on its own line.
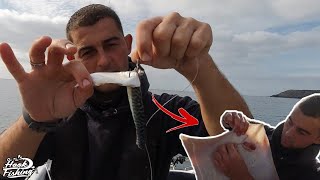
<point x="84" y="53"/>
<point x="301" y="133"/>
<point x="111" y="45"/>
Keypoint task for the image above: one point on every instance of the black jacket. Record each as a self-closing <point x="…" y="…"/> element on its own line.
<point x="293" y="164"/>
<point x="98" y="140"/>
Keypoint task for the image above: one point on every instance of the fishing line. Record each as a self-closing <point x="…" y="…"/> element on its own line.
<point x="149" y="159"/>
<point x="195" y="77"/>
<point x="48" y="172"/>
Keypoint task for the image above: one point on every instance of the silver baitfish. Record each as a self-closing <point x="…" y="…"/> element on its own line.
<point x="137" y="110"/>
<point x="130" y="79"/>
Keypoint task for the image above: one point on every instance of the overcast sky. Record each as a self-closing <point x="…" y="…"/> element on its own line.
<point x="262" y="46"/>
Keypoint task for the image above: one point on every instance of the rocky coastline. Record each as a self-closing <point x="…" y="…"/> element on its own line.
<point x="298" y="94"/>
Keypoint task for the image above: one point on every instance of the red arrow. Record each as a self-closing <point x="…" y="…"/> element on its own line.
<point x="186" y="119"/>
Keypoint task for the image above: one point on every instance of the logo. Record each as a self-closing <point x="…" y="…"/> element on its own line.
<point x="18" y="167"/>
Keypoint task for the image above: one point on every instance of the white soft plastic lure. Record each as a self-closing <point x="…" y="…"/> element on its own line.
<point x="125" y="78"/>
<point x="259" y="161"/>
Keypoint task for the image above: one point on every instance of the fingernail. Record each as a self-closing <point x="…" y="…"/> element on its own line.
<point x="69" y="46"/>
<point x="253" y="147"/>
<point x="249" y="146"/>
<point x="145" y="57"/>
<point x="70" y="57"/>
<point x="85" y="82"/>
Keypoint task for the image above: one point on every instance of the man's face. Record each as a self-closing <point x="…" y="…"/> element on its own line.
<point x="300" y="131"/>
<point x="102" y="48"/>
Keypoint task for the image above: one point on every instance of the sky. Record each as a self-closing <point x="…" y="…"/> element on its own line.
<point x="263" y="47"/>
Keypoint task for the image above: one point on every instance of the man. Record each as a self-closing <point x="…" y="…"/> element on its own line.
<point x="96" y="137"/>
<point x="295" y="143"/>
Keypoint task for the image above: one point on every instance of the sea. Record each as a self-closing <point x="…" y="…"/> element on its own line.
<point x="271" y="110"/>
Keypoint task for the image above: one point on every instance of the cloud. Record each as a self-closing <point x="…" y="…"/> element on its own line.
<point x="21" y="29"/>
<point x="263" y="43"/>
<point x="296" y="10"/>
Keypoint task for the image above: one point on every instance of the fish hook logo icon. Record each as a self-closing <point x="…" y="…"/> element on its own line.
<point x="185" y="118"/>
<point x="18" y="167"/>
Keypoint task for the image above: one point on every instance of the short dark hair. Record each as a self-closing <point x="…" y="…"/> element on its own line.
<point x="90" y="15"/>
<point x="310" y="105"/>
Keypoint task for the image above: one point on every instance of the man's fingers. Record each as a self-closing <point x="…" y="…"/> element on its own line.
<point x="80" y="95"/>
<point x="244" y="126"/>
<point x="162" y="38"/>
<point x="223" y="157"/>
<point x="181" y="39"/>
<point x="232" y="150"/>
<point x="216" y="164"/>
<point x="227" y="118"/>
<point x="201" y="41"/>
<point x="58" y="49"/>
<point x="38" y="49"/>
<point x="11" y="62"/>
<point x="249" y="146"/>
<point x="218" y="158"/>
<point x="241" y="123"/>
<point x="235" y="119"/>
<point x="85" y="85"/>
<point x="247" y="127"/>
<point x="223" y="152"/>
<point x="219" y="165"/>
<point x="144" y="39"/>
<point x="164" y="34"/>
<point x="80" y="73"/>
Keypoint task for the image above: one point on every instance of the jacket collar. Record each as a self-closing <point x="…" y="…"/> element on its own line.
<point x="108" y="103"/>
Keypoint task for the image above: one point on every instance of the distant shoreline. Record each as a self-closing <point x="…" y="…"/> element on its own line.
<point x="298" y="94"/>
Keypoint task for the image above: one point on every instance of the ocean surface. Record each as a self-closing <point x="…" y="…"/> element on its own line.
<point x="269" y="109"/>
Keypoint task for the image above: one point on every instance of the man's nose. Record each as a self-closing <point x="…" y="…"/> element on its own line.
<point x="103" y="60"/>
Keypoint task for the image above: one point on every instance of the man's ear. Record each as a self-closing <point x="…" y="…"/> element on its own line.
<point x="128" y="39"/>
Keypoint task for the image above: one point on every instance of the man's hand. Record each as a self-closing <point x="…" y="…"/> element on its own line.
<point x="183" y="43"/>
<point x="236" y="120"/>
<point x="48" y="92"/>
<point x="228" y="161"/>
<point x="173" y="41"/>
